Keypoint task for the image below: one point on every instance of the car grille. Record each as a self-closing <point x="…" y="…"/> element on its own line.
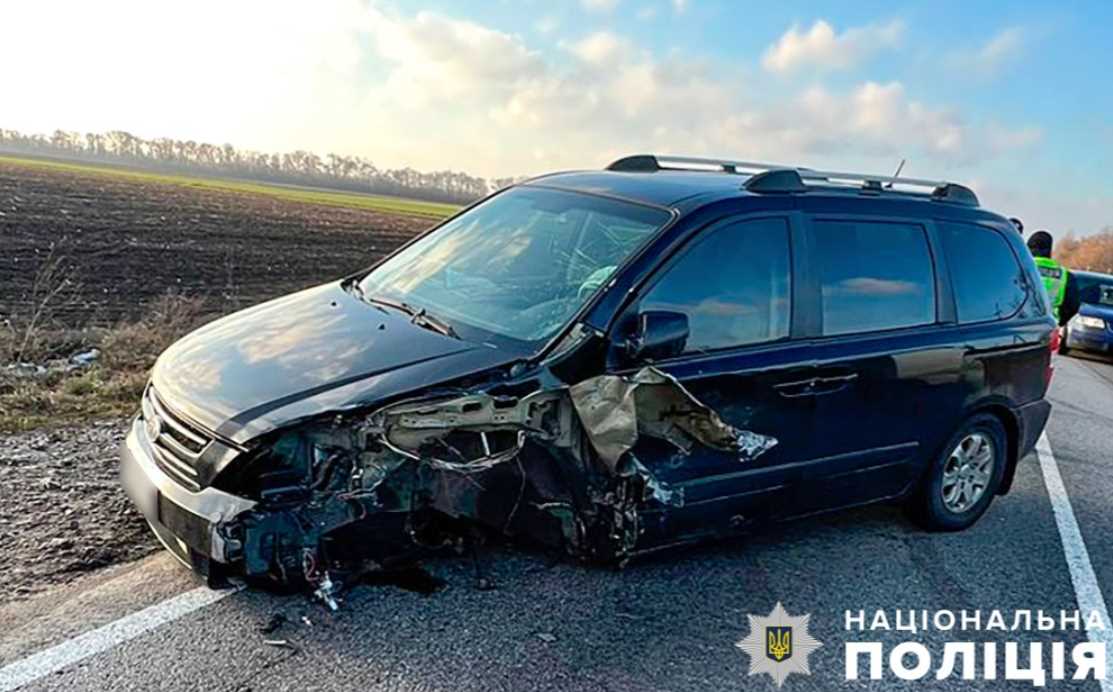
<point x="177" y="444"/>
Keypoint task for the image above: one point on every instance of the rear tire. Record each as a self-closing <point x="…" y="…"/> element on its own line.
<point x="960" y="483"/>
<point x="1063" y="348"/>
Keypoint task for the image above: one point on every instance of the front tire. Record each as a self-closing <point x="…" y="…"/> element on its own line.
<point x="962" y="480"/>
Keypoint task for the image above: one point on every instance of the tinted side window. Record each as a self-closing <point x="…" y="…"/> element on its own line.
<point x="733" y="284"/>
<point x="988" y="281"/>
<point x="873" y="275"/>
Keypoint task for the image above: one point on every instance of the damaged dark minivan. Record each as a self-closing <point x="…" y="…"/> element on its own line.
<point x="608" y="363"/>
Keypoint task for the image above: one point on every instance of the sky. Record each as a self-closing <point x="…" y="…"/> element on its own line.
<point x="1015" y="100"/>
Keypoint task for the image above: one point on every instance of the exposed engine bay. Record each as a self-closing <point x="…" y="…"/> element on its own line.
<point x="554" y="466"/>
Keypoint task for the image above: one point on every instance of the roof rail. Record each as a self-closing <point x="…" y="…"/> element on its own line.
<point x="779" y="178"/>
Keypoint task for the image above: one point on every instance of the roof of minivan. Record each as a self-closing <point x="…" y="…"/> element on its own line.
<point x="686" y="190"/>
<point x="666" y="188"/>
<point x="1097" y="276"/>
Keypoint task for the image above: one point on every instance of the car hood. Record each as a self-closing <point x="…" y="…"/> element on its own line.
<point x="1096" y="310"/>
<point x="312" y="352"/>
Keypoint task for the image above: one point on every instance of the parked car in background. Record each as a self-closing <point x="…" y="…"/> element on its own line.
<point x="609" y="362"/>
<point x="1091" y="329"/>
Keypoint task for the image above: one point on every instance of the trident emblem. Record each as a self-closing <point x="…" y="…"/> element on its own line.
<point x="778" y="645"/>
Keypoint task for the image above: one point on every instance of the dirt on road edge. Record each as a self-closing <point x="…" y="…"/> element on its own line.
<point x="64" y="512"/>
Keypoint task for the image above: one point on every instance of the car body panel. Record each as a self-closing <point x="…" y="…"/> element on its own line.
<point x="320" y="349"/>
<point x="742" y="387"/>
<point x="1105" y="312"/>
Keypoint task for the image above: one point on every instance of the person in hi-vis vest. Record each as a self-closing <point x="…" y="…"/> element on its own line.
<point x="1054" y="274"/>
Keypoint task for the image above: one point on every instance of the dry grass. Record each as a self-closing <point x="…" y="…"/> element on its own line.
<point x="135" y="345"/>
<point x="24" y="333"/>
<point x="110" y="387"/>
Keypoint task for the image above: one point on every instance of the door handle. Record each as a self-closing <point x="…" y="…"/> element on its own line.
<point x="799" y="388"/>
<point x="834" y="383"/>
<point x="814" y="386"/>
<point x="839" y="379"/>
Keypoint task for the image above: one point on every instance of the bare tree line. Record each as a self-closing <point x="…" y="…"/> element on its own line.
<point x="1092" y="253"/>
<point x="353" y="173"/>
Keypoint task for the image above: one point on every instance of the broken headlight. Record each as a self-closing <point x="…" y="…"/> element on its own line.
<point x="285" y="471"/>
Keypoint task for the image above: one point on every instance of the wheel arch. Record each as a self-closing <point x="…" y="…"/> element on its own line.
<point x="1012" y="438"/>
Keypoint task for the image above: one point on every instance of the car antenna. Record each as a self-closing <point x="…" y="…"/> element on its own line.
<point x="900" y="167"/>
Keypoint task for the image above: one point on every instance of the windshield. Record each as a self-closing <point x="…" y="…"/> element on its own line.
<point x="518" y="265"/>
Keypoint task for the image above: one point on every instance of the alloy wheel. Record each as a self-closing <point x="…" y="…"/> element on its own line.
<point x="967" y="472"/>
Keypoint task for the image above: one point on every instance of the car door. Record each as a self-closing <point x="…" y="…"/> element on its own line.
<point x="733" y="281"/>
<point x="887" y="377"/>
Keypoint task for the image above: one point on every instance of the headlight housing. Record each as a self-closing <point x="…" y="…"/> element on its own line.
<point x="1091" y="322"/>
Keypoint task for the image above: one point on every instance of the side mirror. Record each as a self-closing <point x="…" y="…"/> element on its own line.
<point x="660" y="334"/>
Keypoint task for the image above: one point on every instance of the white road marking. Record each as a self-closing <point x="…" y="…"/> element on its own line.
<point x="1087" y="591"/>
<point x="105" y="637"/>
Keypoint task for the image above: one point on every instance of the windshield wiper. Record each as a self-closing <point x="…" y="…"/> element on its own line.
<point x="418" y="316"/>
<point x="424" y="319"/>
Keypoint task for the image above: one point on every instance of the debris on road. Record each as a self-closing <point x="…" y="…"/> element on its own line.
<point x="21" y="370"/>
<point x="327" y="591"/>
<point x="273" y="624"/>
<point x="85" y="358"/>
<point x="78" y="361"/>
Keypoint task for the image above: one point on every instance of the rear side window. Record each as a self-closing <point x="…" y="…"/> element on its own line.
<point x="874" y="276"/>
<point x="733" y="284"/>
<point x="1093" y="288"/>
<point x="988" y="280"/>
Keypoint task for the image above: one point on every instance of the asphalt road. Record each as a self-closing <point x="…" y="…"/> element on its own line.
<point x="666" y="624"/>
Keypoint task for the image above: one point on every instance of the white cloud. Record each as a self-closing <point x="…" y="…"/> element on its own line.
<point x="821" y="48"/>
<point x="599" y="5"/>
<point x="647" y="13"/>
<point x="434" y="58"/>
<point x="1003" y="46"/>
<point x="547" y="24"/>
<point x="882" y="121"/>
<point x="680" y="6"/>
<point x="599" y="48"/>
<point x="991" y="57"/>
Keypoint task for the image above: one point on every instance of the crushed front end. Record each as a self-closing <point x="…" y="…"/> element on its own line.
<point x="319" y="503"/>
